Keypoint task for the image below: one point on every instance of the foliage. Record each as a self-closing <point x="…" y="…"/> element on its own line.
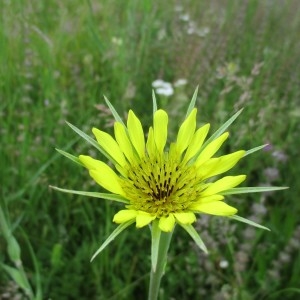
<point x="58" y="59"/>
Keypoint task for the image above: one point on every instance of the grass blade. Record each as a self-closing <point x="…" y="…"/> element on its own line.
<point x="20" y="278"/>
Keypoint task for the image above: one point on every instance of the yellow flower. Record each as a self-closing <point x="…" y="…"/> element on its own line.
<point x="168" y="183"/>
<point x="162" y="183"/>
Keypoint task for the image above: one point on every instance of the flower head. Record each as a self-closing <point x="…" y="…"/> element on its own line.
<point x="168" y="183"/>
<point x="160" y="182"/>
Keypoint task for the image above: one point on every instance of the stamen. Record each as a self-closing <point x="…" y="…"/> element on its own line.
<point x="161" y="186"/>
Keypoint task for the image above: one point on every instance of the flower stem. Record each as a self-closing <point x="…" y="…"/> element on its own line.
<point x="156" y="275"/>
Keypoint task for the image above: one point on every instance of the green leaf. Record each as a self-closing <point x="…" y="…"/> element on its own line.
<point x="286" y="291"/>
<point x="4" y="225"/>
<point x="13" y="249"/>
<point x="19" y="278"/>
<point x="70" y="156"/>
<point x="114" y="234"/>
<point x="91" y="141"/>
<point x="192" y="103"/>
<point x="155" y="234"/>
<point x="154" y="102"/>
<point x="258" y="189"/>
<point x="114" y="112"/>
<point x="195" y="236"/>
<point x="106" y="196"/>
<point x="222" y="128"/>
<point x="255" y="149"/>
<point x="37" y="273"/>
<point x="249" y="222"/>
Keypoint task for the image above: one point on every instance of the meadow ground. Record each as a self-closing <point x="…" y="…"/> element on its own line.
<point x="58" y="59"/>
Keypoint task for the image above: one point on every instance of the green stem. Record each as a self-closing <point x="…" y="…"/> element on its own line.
<point x="156" y="275"/>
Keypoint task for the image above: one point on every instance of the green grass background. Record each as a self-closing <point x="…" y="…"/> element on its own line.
<point x="58" y="59"/>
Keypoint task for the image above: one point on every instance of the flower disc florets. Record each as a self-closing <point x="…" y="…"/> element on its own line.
<point x="160" y="186"/>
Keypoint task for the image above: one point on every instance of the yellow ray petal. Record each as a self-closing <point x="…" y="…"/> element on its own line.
<point x="124" y="216"/>
<point x="110" y="146"/>
<point x="91" y="163"/>
<point x="151" y="147"/>
<point x="211" y="149"/>
<point x="185" y="217"/>
<point x="108" y="179"/>
<point x="218" y="208"/>
<point x="136" y="133"/>
<point x="207" y="199"/>
<point x="160" y="129"/>
<point x="167" y="223"/>
<point x="186" y="131"/>
<point x="123" y="141"/>
<point x="219" y="165"/>
<point x="196" y="142"/>
<point x="143" y="219"/>
<point x="223" y="184"/>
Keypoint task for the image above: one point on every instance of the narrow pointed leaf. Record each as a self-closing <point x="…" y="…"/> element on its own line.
<point x="155" y="233"/>
<point x="195" y="236"/>
<point x="19" y="277"/>
<point x="258" y="189"/>
<point x="222" y="128"/>
<point x="255" y="149"/>
<point x="70" y="156"/>
<point x="13" y="249"/>
<point x="106" y="196"/>
<point x="113" y="111"/>
<point x="192" y="103"/>
<point x="113" y="235"/>
<point x="91" y="141"/>
<point x="36" y="263"/>
<point x="249" y="222"/>
<point x="154" y="102"/>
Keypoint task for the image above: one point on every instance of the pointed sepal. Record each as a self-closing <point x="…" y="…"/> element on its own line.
<point x="113" y="235"/>
<point x="195" y="236"/>
<point x="107" y="196"/>
<point x="254" y="189"/>
<point x="113" y="111"/>
<point x="192" y="103"/>
<point x="70" y="156"/>
<point x="249" y="222"/>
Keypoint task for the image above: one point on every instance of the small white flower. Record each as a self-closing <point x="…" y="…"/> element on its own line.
<point x="202" y="32"/>
<point x="184" y="17"/>
<point x="180" y="82"/>
<point x="158" y="83"/>
<point x="223" y="264"/>
<point x="191" y="30"/>
<point x="166" y="90"/>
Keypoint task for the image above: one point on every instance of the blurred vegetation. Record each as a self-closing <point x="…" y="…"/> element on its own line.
<point x="58" y="59"/>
